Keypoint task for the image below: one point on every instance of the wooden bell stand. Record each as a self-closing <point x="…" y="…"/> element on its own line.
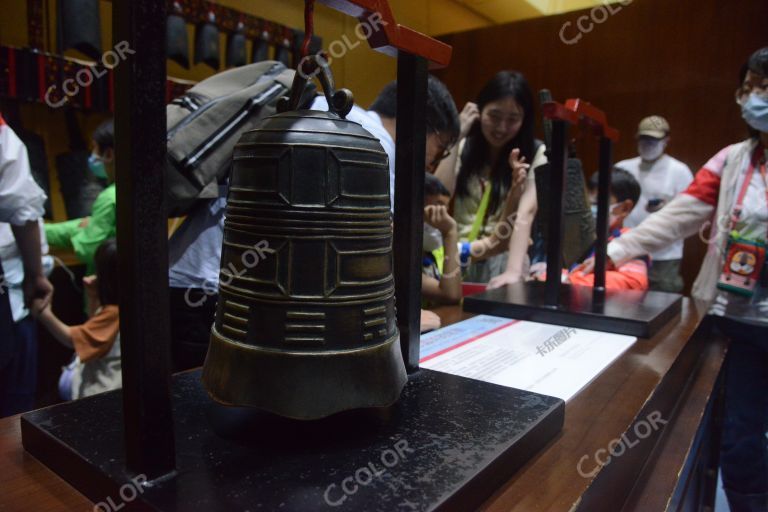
<point x="637" y="313"/>
<point x="160" y="443"/>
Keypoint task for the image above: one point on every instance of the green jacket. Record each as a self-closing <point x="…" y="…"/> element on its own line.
<point x="85" y="241"/>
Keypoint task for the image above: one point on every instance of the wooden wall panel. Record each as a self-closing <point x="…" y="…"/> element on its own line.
<point x="679" y="59"/>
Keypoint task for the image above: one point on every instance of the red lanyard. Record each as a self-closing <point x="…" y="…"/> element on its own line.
<point x="758" y="159"/>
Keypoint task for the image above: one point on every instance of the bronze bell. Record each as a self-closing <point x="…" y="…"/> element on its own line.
<point x="308" y="329"/>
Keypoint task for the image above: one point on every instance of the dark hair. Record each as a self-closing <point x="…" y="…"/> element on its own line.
<point x="434" y="187"/>
<point x="441" y="116"/>
<point x="624" y="186"/>
<point x="758" y="62"/>
<point x="107" y="272"/>
<point x="104" y="135"/>
<point x="475" y="154"/>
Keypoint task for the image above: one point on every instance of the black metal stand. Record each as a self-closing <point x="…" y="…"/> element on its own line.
<point x="409" y="203"/>
<point x="603" y="200"/>
<point x="142" y="237"/>
<point x="557" y="185"/>
<point x="447" y="444"/>
<point x="622" y="312"/>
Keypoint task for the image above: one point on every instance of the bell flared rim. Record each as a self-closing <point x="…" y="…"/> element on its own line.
<point x="303" y="385"/>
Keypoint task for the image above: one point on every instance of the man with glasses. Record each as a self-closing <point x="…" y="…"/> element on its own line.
<point x="442" y="122"/>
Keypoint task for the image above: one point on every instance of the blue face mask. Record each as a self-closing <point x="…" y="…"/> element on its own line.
<point x="755" y="112"/>
<point x="96" y="166"/>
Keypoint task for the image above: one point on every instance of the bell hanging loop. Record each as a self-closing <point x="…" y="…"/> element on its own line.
<point x="340" y="101"/>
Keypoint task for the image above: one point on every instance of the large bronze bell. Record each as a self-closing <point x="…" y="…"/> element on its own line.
<point x="308" y="329"/>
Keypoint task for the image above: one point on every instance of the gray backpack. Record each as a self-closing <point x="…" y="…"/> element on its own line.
<point x="205" y="124"/>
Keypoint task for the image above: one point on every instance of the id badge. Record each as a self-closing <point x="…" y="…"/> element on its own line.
<point x="744" y="261"/>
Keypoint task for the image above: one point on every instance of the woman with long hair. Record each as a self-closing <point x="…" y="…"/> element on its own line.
<point x="490" y="173"/>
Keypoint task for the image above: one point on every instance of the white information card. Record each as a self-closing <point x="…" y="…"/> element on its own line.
<point x="548" y="359"/>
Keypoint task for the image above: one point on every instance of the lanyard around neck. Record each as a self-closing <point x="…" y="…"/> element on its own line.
<point x="757" y="161"/>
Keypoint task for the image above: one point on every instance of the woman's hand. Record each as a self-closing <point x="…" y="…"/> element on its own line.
<point x="429" y="321"/>
<point x="588" y="266"/>
<point x="467" y="118"/>
<point x="504" y="279"/>
<point x="519" y="168"/>
<point x="437" y="216"/>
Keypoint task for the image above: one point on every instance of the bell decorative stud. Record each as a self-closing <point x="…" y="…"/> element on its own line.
<point x="305" y="324"/>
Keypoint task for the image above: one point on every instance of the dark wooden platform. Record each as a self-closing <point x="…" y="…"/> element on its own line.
<point x="631" y="312"/>
<point x="447" y="444"/>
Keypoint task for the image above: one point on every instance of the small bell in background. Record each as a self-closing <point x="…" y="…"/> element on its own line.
<point x="261" y="47"/>
<point x="305" y="323"/>
<point x="236" y="54"/>
<point x="207" y="42"/>
<point x="283" y="51"/>
<point x="177" y="39"/>
<point x="79" y="27"/>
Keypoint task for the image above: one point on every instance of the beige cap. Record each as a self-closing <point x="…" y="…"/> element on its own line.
<point x="653" y="126"/>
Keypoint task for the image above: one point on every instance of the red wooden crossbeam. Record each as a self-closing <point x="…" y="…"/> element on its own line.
<point x="393" y="37"/>
<point x="593" y="117"/>
<point x="558" y="112"/>
<point x="576" y="110"/>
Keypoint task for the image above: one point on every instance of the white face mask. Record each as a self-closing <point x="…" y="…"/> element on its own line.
<point x="651" y="149"/>
<point x="432" y="238"/>
<point x="611" y="217"/>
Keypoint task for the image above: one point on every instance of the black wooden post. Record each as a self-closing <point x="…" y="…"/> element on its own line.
<point x="603" y="200"/>
<point x="409" y="200"/>
<point x="139" y="29"/>
<point x="555" y="229"/>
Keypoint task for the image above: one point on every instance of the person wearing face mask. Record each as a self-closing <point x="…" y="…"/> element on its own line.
<point x="661" y="178"/>
<point x="84" y="236"/>
<point x="633" y="274"/>
<point x="728" y="204"/>
<point x="493" y="163"/>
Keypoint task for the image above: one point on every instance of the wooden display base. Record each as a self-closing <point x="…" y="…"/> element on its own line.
<point x="447" y="444"/>
<point x="634" y="313"/>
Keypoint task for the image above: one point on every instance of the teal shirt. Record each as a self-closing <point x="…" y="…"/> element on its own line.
<point x="84" y="241"/>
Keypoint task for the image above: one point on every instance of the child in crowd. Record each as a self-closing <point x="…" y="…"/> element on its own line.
<point x="445" y="258"/>
<point x="96" y="367"/>
<point x="632" y="275"/>
<point x="441" y="279"/>
<point x="83" y="236"/>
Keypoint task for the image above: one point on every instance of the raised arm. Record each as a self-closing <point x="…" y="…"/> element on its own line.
<point x="447" y="169"/>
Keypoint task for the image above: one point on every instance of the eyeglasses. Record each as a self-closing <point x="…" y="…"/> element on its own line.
<point x="442" y="156"/>
<point x="445" y="151"/>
